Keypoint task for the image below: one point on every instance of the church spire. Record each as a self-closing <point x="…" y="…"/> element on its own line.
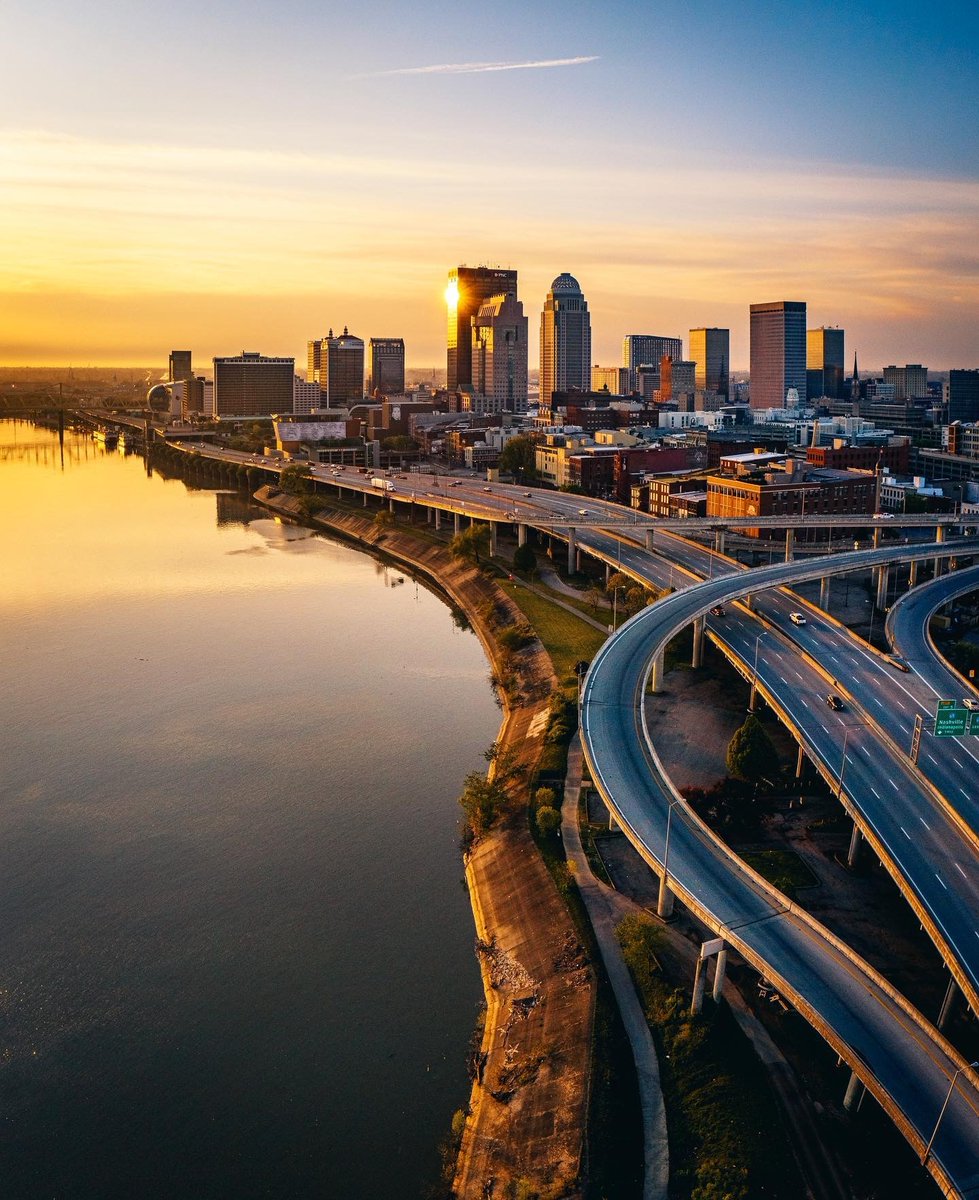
<point x="855" y="381"/>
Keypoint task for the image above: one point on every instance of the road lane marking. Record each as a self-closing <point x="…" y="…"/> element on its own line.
<point x="876" y="793"/>
<point x="905" y="832"/>
<point x="924" y="822"/>
<point x="960" y="871"/>
<point x="941" y="881"/>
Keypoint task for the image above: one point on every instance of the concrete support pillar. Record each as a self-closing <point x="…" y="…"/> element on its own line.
<point x="438" y="518"/>
<point x="882" y="580"/>
<point x="492" y="551"/>
<point x="664" y="901"/>
<point x="456" y="523"/>
<point x="521" y="535"/>
<point x="747" y="601"/>
<point x="699" y="979"/>
<point x="608" y="573"/>
<point x="365" y="499"/>
<point x="719" y="540"/>
<point x="856" y="838"/>
<point x="656" y="677"/>
<point x="753" y="697"/>
<point x="391" y="505"/>
<point x="611" y="821"/>
<point x="698" y="642"/>
<point x="572" y="553"/>
<point x="913" y="573"/>
<point x="800" y="760"/>
<point x="939" y="537"/>
<point x="824" y="593"/>
<point x="952" y="994"/>
<point x="854" y="1093"/>
<point x="789" y="544"/>
<point x="428" y="516"/>
<point x="649" y="539"/>
<point x="720" y="971"/>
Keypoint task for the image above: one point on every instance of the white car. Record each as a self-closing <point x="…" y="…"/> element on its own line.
<point x="797" y="618"/>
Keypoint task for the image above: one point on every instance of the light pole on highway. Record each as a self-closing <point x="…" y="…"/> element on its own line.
<point x="754" y="674"/>
<point x="662" y="901"/>
<point x="948" y="1097"/>
<point x="839" y="790"/>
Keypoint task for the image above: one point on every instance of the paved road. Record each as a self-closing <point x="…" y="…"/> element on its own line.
<point x="903" y="1061"/>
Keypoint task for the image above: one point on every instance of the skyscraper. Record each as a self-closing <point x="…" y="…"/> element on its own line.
<point x="180" y="365"/>
<point x="647" y="349"/>
<point x="387" y="371"/>
<point x="565" y="340"/>
<point x="778" y="352"/>
<point x="251" y="385"/>
<point x="336" y="363"/>
<point x="910" y="382"/>
<point x="824" y="363"/>
<point x="710" y="349"/>
<point x="468" y="287"/>
<point x="962" y="395"/>
<point x="499" y="354"/>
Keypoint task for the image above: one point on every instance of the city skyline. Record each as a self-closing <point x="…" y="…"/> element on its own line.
<point x="217" y="212"/>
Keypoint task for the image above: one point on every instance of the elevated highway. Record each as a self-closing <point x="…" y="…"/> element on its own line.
<point x="874" y="1029"/>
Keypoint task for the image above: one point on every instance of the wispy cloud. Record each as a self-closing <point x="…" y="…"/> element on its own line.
<point x="478" y="68"/>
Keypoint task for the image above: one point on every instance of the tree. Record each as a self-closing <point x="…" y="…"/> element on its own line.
<point x="384" y="518"/>
<point x="750" y="753"/>
<point x="640" y="938"/>
<point x="548" y="820"/>
<point x="481" y="800"/>
<point x="524" y="559"/>
<point x="471" y="542"/>
<point x="294" y="481"/>
<point x="519" y="457"/>
<point x="399" y="444"/>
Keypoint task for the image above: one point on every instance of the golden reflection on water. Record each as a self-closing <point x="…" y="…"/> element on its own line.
<point x="84" y="562"/>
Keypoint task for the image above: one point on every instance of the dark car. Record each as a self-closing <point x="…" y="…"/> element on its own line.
<point x="717" y="610"/>
<point x="835" y="703"/>
<point x="898" y="662"/>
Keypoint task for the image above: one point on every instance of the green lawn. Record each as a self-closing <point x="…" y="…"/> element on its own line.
<point x="783" y="868"/>
<point x="566" y="638"/>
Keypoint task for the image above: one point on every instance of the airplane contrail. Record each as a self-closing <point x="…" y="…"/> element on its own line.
<point x="478" y="68"/>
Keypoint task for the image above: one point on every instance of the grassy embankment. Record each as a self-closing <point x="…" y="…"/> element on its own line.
<point x="726" y="1139"/>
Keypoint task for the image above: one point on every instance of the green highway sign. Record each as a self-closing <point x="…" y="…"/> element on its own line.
<point x="952" y="719"/>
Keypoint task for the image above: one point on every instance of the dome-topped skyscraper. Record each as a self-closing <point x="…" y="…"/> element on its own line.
<point x="565" y="340"/>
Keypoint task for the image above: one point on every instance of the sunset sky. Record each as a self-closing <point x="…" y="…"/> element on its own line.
<point x="240" y="176"/>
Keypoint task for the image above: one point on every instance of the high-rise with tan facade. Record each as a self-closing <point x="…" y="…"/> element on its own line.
<point x="778" y="352"/>
<point x="565" y="340"/>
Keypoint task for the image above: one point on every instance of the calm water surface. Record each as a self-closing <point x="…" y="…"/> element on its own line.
<point x="235" y="950"/>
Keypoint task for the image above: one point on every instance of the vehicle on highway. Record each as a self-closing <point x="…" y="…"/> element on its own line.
<point x="487" y="489"/>
<point x="797" y="618"/>
<point x="835" y="703"/>
<point x="582" y="512"/>
<point x="970" y="704"/>
<point x="883" y="516"/>
<point x="717" y="610"/>
<point x="528" y="495"/>
<point x="385" y="484"/>
<point x="455" y="483"/>
<point x="896" y="661"/>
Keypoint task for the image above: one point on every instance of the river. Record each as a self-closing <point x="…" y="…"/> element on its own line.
<point x="236" y="951"/>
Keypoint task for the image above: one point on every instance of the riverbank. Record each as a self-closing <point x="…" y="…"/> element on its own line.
<point x="528" y="1111"/>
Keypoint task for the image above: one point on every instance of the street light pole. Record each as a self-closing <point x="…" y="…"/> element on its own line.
<point x="948" y="1097"/>
<point x="662" y="904"/>
<point x="839" y="790"/>
<point x="754" y="675"/>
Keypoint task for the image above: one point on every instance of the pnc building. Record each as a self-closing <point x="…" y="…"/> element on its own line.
<point x="467" y="289"/>
<point x="778" y="352"/>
